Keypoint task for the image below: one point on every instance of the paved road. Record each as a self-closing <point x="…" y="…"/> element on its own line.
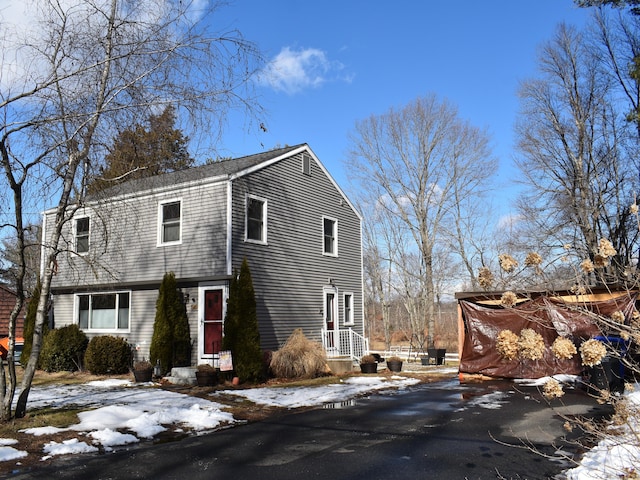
<point x="442" y="430"/>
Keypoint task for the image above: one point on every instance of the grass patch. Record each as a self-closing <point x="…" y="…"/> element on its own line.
<point x="45" y="417"/>
<point x="305" y="382"/>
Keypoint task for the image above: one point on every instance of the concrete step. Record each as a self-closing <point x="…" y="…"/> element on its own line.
<point x="182" y="376"/>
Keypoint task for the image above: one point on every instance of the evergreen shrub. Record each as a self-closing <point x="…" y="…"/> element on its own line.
<point x="63" y="349"/>
<point x="241" y="333"/>
<point x="107" y="354"/>
<point x="171" y="340"/>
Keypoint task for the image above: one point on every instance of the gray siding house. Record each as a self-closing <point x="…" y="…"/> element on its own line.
<point x="281" y="210"/>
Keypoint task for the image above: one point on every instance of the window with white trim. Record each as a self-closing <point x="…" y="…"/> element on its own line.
<point x="170" y="222"/>
<point x="104" y="311"/>
<point x="330" y="236"/>
<point x="256" y="219"/>
<point x="347" y="305"/>
<point x="82" y="234"/>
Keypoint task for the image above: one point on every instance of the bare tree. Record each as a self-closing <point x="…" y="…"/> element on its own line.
<point x="10" y="258"/>
<point x="576" y="156"/>
<point x="616" y="39"/>
<point x="377" y="271"/>
<point x="82" y="69"/>
<point x="416" y="161"/>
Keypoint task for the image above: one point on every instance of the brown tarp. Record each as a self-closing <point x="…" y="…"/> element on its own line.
<point x="550" y="317"/>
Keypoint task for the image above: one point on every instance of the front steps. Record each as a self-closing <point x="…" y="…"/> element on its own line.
<point x="182" y="376"/>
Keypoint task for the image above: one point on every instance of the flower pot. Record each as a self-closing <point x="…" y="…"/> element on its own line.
<point x="369" y="367"/>
<point x="206" y="379"/>
<point x="394" y="365"/>
<point x="143" y="375"/>
<point x="437" y="355"/>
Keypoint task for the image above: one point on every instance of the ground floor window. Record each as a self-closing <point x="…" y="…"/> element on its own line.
<point x="104" y="311"/>
<point x="348" y="308"/>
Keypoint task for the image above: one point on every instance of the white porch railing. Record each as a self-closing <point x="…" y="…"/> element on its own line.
<point x="344" y="343"/>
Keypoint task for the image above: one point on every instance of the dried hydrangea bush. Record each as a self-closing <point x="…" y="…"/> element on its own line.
<point x="618" y="316"/>
<point x="533" y="259"/>
<point x="592" y="352"/>
<point x="507" y="262"/>
<point x="552" y="389"/>
<point x="485" y="277"/>
<point x="507" y="345"/>
<point x="563" y="348"/>
<point x="508" y="299"/>
<point x="531" y="344"/>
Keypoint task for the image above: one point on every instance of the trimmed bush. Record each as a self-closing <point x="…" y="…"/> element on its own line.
<point x="241" y="333"/>
<point x="107" y="354"/>
<point x="171" y="340"/>
<point x="299" y="358"/>
<point x="63" y="349"/>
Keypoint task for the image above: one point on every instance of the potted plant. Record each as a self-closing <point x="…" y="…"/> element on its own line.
<point x="142" y="371"/>
<point x="206" y="375"/>
<point x="394" y="364"/>
<point x="368" y="364"/>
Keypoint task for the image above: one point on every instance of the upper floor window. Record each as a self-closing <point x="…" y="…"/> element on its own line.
<point x="348" y="308"/>
<point x="306" y="164"/>
<point x="82" y="234"/>
<point x="330" y="236"/>
<point x="170" y="222"/>
<point x="107" y="311"/>
<point x="256" y="219"/>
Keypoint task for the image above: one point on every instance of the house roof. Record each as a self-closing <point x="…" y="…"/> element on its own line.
<point x="222" y="168"/>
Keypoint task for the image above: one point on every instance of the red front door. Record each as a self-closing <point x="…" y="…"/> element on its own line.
<point x="213" y="321"/>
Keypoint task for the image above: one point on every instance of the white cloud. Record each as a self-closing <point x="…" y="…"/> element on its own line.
<point x="509" y="221"/>
<point x="294" y="70"/>
<point x="21" y="25"/>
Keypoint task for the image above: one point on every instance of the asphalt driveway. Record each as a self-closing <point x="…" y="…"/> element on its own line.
<point x="442" y="430"/>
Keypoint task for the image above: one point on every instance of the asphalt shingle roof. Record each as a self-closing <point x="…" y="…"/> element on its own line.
<point x="216" y="169"/>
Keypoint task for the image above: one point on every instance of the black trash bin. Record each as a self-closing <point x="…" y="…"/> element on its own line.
<point x="609" y="374"/>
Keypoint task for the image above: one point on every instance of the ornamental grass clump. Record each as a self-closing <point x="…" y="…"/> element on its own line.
<point x="552" y="389"/>
<point x="592" y="352"/>
<point x="299" y="358"/>
<point x="563" y="348"/>
<point x="531" y="345"/>
<point x="507" y="345"/>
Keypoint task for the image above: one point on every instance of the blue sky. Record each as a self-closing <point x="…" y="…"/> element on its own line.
<point x="348" y="59"/>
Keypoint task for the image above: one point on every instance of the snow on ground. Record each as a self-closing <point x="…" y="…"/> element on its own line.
<point x="293" y="397"/>
<point x="617" y="455"/>
<point x="144" y="411"/>
<point x="119" y="404"/>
